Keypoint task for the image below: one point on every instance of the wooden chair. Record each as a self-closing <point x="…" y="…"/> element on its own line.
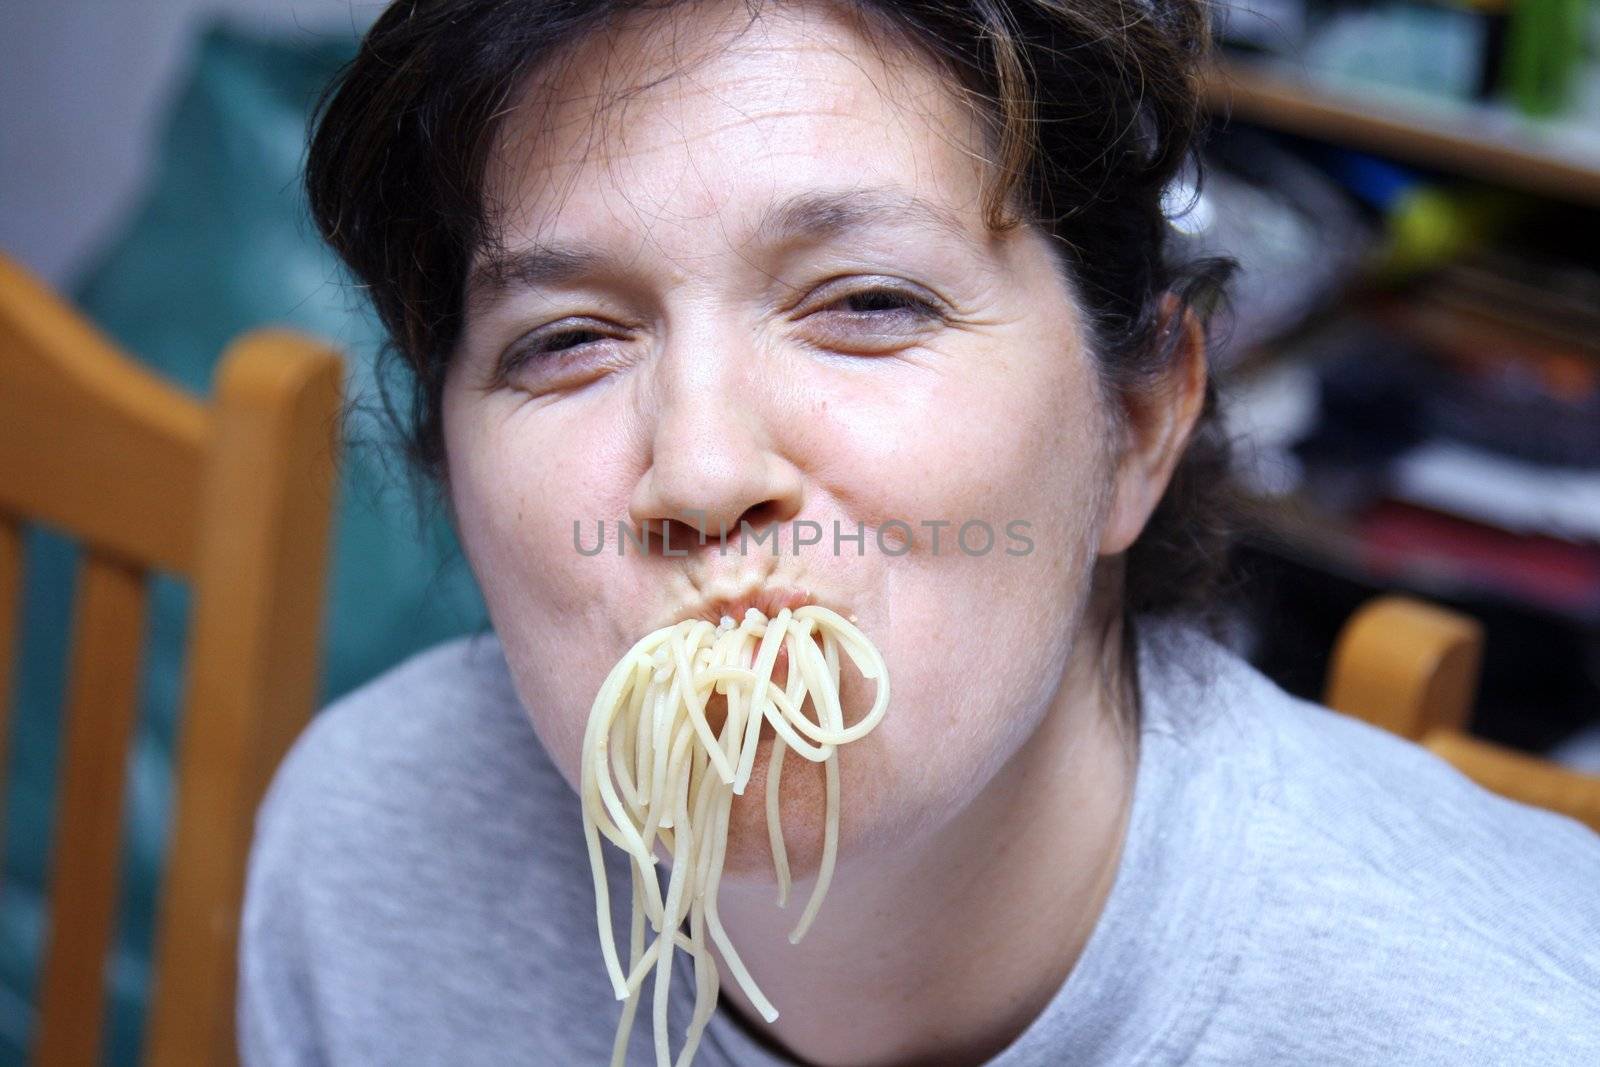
<point x="1412" y="668"/>
<point x="236" y="498"/>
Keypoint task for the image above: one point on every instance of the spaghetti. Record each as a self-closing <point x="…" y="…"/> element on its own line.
<point x="655" y="771"/>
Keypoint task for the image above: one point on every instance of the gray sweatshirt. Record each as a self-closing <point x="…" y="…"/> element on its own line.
<point x="1296" y="888"/>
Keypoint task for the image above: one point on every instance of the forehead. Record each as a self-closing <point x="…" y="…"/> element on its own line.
<point x="724" y="112"/>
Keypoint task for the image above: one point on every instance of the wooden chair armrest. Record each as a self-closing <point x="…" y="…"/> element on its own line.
<point x="1406" y="666"/>
<point x="1523" y="778"/>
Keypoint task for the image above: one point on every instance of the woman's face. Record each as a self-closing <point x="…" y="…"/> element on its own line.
<point x="746" y="276"/>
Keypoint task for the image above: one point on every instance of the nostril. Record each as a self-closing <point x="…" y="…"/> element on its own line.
<point x="672" y="536"/>
<point x="676" y="536"/>
<point x="758" y="516"/>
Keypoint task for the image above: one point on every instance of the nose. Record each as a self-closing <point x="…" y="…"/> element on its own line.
<point x="713" y="466"/>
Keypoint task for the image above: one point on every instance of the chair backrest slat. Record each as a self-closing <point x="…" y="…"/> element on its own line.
<point x="234" y="495"/>
<point x="258" y="597"/>
<point x="95" y="444"/>
<point x="101" y="708"/>
<point x="11" y="554"/>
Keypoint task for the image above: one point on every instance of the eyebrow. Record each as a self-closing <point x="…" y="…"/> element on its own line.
<point x="825" y="215"/>
<point x="532" y="267"/>
<point x="804" y="217"/>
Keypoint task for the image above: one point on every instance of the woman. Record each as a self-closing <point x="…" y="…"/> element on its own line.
<point x="893" y="272"/>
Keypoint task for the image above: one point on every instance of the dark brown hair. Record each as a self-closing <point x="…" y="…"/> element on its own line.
<point x="1093" y="109"/>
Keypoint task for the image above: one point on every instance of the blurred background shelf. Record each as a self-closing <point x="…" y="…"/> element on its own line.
<point x="1411" y="351"/>
<point x="1550" y="158"/>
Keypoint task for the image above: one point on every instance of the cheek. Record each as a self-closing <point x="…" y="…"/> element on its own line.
<point x="999" y="469"/>
<point x="518" y="483"/>
<point x="978" y="641"/>
<point x="503" y="481"/>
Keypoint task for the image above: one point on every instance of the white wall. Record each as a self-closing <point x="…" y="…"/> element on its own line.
<point x="82" y="87"/>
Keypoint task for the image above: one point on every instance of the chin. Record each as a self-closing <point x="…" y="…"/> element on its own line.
<point x="802" y="799"/>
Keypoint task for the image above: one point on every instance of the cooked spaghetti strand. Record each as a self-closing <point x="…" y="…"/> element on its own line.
<point x="656" y="772"/>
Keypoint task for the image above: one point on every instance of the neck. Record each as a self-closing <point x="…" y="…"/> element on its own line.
<point x="941" y="953"/>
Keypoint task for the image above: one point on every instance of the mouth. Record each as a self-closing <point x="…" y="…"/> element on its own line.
<point x="734" y="605"/>
<point x="730" y="606"/>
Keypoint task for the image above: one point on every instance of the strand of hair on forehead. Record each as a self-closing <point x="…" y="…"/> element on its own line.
<point x="655" y="772"/>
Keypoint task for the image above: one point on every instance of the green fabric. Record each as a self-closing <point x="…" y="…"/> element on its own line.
<point x="221" y="243"/>
<point x="1544" y="54"/>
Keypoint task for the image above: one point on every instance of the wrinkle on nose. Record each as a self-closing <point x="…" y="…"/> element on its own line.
<point x="712" y="467"/>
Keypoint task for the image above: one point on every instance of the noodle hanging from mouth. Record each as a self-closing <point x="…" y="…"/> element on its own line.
<point x="655" y="771"/>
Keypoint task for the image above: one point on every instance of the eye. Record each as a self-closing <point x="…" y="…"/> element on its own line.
<point x="560" y="342"/>
<point x="870" y="315"/>
<point x="566" y="339"/>
<point x="880" y="300"/>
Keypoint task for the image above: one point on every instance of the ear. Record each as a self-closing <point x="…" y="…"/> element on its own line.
<point x="1157" y="424"/>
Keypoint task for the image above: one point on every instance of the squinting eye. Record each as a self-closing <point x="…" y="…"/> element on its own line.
<point x="882" y="301"/>
<point x="560" y="342"/>
<point x="548" y="344"/>
<point x="871" y="319"/>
